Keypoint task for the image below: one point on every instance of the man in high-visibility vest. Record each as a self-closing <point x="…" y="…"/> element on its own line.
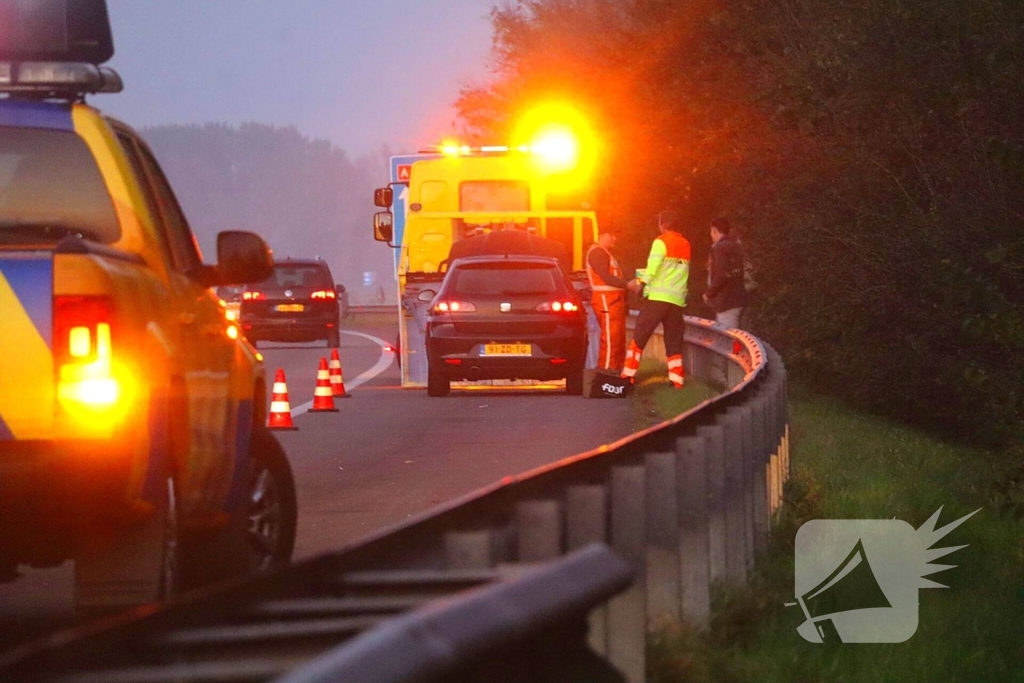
<point x="664" y="283"/>
<point x="608" y="299"/>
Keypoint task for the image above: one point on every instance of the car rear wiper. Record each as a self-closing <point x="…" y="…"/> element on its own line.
<point x="17" y="231"/>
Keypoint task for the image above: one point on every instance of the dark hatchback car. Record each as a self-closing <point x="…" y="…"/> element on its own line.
<point x="505" y="317"/>
<point x="298" y="303"/>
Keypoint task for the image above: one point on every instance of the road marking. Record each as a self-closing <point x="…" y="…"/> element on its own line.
<point x="387" y="357"/>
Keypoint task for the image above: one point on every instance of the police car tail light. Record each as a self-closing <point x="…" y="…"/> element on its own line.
<point x="324" y="295"/>
<point x="558" y="307"/>
<point x="454" y="307"/>
<point x="83" y="352"/>
<point x="254" y="296"/>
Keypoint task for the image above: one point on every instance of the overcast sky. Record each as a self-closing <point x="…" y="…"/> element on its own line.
<point x="360" y="73"/>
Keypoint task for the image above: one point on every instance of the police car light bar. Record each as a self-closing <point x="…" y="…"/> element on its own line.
<point x="58" y="79"/>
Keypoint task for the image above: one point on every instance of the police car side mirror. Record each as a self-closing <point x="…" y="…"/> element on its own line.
<point x="383" y="227"/>
<point x="383" y="197"/>
<point x="242" y="258"/>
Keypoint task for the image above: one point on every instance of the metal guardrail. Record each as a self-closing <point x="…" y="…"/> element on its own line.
<point x="685" y="505"/>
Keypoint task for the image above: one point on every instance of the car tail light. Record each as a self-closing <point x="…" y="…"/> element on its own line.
<point x="324" y="294"/>
<point x="558" y="307"/>
<point x="254" y="296"/>
<point x="454" y="307"/>
<point x="83" y="352"/>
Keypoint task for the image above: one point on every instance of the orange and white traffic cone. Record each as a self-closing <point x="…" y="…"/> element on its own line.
<point x="337" y="378"/>
<point x="280" y="418"/>
<point x="323" y="397"/>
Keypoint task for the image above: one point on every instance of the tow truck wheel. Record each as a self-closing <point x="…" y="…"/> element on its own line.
<point x="438" y="383"/>
<point x="137" y="567"/>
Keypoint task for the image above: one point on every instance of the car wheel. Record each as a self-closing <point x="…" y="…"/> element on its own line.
<point x="334" y="339"/>
<point x="272" y="510"/>
<point x="574" y="381"/>
<point x="438" y="383"/>
<point x="137" y="567"/>
<point x="260" y="535"/>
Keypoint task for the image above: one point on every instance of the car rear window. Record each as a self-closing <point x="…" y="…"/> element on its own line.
<point x="50" y="187"/>
<point x="507" y="280"/>
<point x="287" y="276"/>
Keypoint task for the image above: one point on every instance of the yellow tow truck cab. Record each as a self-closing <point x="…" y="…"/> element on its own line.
<point x="441" y="196"/>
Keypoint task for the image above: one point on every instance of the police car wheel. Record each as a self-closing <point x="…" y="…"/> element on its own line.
<point x="271" y="506"/>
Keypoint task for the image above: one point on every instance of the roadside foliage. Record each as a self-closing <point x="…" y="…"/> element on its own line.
<point x="869" y="153"/>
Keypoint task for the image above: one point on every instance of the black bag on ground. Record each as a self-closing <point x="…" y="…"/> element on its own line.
<point x="607" y="385"/>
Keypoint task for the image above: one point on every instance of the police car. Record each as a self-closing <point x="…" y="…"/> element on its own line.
<point x="131" y="409"/>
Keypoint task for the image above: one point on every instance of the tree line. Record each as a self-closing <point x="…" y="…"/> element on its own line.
<point x="306" y="197"/>
<point x="868" y="151"/>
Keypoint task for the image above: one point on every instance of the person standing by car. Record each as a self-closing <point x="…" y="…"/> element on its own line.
<point x="726" y="293"/>
<point x="608" y="299"/>
<point x="664" y="284"/>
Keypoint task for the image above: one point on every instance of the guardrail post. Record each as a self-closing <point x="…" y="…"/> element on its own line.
<point x="692" y="479"/>
<point x="627" y="619"/>
<point x="586" y="522"/>
<point x="762" y="470"/>
<point x="714" y="437"/>
<point x="662" y="540"/>
<point x="538" y="530"/>
<point x="467" y="549"/>
<point x="746" y="431"/>
<point x="735" y="527"/>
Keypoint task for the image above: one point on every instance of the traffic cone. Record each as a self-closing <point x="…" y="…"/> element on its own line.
<point x="337" y="378"/>
<point x="280" y="418"/>
<point x="323" y="399"/>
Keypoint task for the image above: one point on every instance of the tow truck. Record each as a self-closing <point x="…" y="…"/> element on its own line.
<point x="539" y="182"/>
<point x="131" y="409"/>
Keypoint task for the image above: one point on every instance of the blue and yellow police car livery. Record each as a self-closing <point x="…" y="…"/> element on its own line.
<point x="131" y="410"/>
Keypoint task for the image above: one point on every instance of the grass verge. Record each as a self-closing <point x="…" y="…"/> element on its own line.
<point x="654" y="399"/>
<point x="848" y="465"/>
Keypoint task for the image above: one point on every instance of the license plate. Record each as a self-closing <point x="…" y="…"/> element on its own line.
<point x="290" y="308"/>
<point x="508" y="350"/>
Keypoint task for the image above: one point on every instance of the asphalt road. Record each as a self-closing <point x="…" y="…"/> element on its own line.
<point x="388" y="454"/>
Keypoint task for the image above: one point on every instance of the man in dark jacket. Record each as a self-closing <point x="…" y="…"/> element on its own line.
<point x="725" y="294"/>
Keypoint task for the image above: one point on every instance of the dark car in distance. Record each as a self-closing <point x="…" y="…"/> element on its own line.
<point x="505" y="317"/>
<point x="299" y="302"/>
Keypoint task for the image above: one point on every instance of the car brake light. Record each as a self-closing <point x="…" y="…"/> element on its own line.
<point x="454" y="307"/>
<point x="83" y="352"/>
<point x="558" y="307"/>
<point x="254" y="296"/>
<point x="323" y="294"/>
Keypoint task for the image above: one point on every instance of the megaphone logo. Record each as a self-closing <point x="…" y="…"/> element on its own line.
<point x="857" y="581"/>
